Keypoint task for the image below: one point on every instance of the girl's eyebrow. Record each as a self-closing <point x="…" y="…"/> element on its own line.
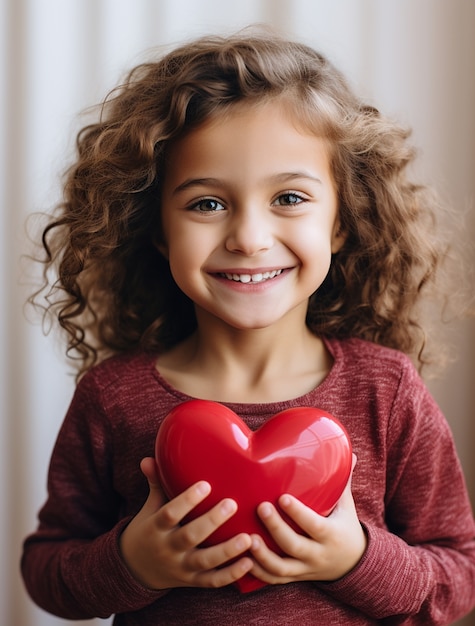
<point x="290" y="176"/>
<point x="284" y="177"/>
<point x="197" y="182"/>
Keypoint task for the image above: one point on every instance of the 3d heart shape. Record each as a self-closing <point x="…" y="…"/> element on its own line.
<point x="302" y="451"/>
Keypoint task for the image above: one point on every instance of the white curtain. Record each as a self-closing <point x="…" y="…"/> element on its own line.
<point x="414" y="59"/>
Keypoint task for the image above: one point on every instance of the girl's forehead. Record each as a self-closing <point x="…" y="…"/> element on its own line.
<point x="250" y="143"/>
<point x="269" y="120"/>
<point x="275" y="110"/>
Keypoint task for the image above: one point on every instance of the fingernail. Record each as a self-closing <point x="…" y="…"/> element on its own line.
<point x="285" y="500"/>
<point x="255" y="543"/>
<point x="265" y="509"/>
<point x="241" y="544"/>
<point x="246" y="565"/>
<point x="228" y="507"/>
<point x="203" y="488"/>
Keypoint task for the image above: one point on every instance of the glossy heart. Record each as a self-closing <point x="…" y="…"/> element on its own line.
<point x="302" y="451"/>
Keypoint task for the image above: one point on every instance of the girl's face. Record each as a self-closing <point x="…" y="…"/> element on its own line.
<point x="249" y="214"/>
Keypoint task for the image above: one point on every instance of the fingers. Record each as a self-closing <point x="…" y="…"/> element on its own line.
<point x="224" y="576"/>
<point x="149" y="470"/>
<point x="310" y="522"/>
<point x="192" y="534"/>
<point x="162" y="551"/>
<point x="187" y="537"/>
<point x="291" y="542"/>
<point x="323" y="548"/>
<point x="156" y="497"/>
<point x="173" y="512"/>
<point x="214" y="566"/>
<point x="206" y="559"/>
<point x="269" y="566"/>
<point x="220" y="565"/>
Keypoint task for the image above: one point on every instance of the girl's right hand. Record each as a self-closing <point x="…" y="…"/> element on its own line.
<point x="161" y="554"/>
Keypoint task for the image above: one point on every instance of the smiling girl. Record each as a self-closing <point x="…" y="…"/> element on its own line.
<point x="239" y="227"/>
<point x="250" y="222"/>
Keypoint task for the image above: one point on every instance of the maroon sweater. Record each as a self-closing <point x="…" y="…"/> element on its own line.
<point x="419" y="567"/>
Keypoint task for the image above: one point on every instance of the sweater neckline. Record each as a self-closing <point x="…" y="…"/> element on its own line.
<point x="243" y="408"/>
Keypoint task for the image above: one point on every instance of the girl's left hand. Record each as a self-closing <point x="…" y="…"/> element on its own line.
<point x="332" y="547"/>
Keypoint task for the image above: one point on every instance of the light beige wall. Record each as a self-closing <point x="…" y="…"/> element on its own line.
<point x="415" y="60"/>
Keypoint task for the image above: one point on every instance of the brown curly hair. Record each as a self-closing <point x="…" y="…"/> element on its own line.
<point x="114" y="291"/>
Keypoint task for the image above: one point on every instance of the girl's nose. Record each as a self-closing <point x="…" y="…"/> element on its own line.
<point x="249" y="233"/>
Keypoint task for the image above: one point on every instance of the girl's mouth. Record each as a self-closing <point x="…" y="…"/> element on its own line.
<point x="259" y="277"/>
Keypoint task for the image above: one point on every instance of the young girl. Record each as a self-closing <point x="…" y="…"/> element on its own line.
<point x="239" y="227"/>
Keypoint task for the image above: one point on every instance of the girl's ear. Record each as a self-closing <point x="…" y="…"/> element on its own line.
<point x="161" y="246"/>
<point x="338" y="237"/>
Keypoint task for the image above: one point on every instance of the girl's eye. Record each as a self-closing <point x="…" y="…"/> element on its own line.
<point x="207" y="205"/>
<point x="289" y="198"/>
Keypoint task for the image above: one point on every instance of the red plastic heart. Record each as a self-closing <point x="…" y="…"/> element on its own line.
<point x="302" y="451"/>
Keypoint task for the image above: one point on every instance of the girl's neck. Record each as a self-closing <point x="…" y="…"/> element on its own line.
<point x="246" y="366"/>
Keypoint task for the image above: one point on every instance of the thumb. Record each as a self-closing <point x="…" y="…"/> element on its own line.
<point x="156" y="497"/>
<point x="354" y="460"/>
<point x="346" y="498"/>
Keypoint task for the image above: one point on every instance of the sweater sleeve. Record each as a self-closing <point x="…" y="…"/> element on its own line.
<point x="72" y="566"/>
<point x="420" y="567"/>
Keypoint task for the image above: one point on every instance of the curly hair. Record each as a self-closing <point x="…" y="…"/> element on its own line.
<point x="113" y="291"/>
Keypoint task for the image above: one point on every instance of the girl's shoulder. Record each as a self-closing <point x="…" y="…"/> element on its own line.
<point x="380" y="382"/>
<point x="372" y="369"/>
<point x="123" y="389"/>
<point x="366" y="355"/>
<point x="120" y="370"/>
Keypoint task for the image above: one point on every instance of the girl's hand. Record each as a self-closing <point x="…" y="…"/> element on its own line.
<point x="161" y="554"/>
<point x="334" y="545"/>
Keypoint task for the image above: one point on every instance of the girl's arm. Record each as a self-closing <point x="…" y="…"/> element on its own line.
<point x="423" y="561"/>
<point x="419" y="565"/>
<point x="81" y="579"/>
<point x="90" y="559"/>
<point x="72" y="566"/>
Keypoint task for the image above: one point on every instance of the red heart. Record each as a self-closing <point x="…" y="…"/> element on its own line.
<point x="302" y="451"/>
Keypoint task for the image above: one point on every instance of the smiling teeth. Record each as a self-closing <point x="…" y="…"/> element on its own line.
<point x="253" y="278"/>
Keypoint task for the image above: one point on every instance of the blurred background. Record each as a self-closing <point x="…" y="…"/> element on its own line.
<point x="414" y="60"/>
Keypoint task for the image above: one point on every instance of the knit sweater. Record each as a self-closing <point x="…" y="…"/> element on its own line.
<point x="410" y="495"/>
